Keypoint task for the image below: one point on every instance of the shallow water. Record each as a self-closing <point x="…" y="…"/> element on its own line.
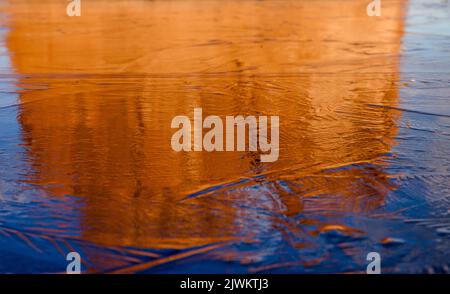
<point x="85" y="110"/>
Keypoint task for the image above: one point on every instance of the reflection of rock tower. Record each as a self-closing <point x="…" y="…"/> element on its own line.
<point x="96" y="110"/>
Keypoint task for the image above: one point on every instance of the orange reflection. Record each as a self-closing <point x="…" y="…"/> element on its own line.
<point x="99" y="92"/>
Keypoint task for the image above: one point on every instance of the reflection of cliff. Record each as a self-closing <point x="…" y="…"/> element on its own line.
<point x="104" y="87"/>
